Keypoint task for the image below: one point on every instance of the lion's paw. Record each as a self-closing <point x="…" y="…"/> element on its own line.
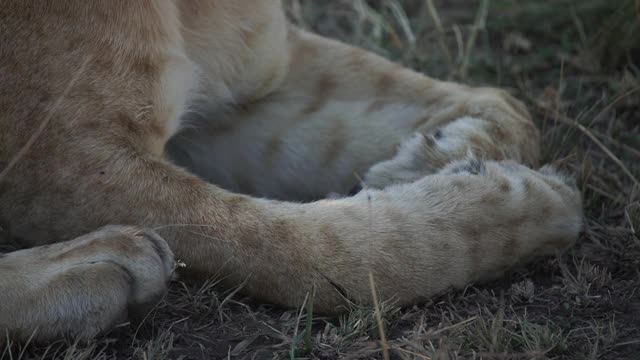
<point x="106" y="277"/>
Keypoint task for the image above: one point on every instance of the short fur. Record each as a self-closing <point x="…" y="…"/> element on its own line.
<point x="93" y="91"/>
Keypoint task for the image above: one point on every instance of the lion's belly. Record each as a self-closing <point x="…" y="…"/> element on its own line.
<point x="273" y="152"/>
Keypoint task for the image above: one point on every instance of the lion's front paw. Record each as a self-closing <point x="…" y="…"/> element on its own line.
<point x="543" y="206"/>
<point x="106" y="277"/>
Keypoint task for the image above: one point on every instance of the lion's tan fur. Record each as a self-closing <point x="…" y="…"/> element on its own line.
<point x="253" y="105"/>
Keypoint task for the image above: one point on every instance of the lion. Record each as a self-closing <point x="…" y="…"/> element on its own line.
<point x="135" y="133"/>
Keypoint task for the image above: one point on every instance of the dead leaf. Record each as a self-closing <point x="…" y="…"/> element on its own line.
<point x="516" y="42"/>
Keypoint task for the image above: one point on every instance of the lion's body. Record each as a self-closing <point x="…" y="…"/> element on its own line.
<point x="92" y="91"/>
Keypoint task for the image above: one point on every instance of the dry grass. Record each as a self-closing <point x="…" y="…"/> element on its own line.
<point x="577" y="63"/>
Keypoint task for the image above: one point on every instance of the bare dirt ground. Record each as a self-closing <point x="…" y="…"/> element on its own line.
<point x="577" y="65"/>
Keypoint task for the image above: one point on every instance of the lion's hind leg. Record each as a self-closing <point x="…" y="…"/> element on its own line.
<point x="84" y="286"/>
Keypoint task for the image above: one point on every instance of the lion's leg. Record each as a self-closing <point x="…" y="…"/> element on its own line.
<point x="467" y="224"/>
<point x="84" y="286"/>
<point x="340" y="110"/>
